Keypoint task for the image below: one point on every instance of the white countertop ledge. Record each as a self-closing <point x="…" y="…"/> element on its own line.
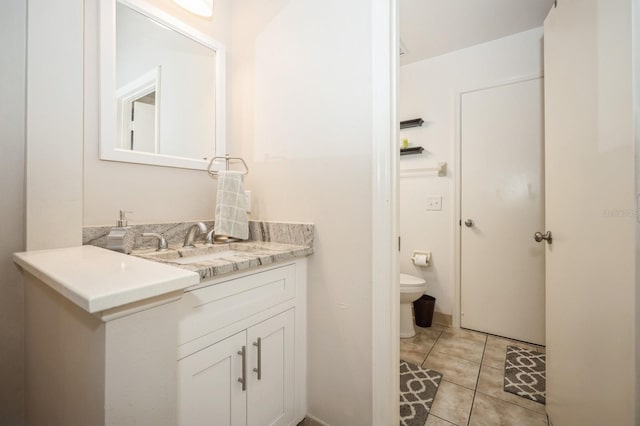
<point x="97" y="279"/>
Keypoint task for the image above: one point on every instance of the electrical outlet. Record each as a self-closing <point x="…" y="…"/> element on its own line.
<point x="434" y="202"/>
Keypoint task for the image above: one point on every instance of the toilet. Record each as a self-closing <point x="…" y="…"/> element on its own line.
<point x="411" y="289"/>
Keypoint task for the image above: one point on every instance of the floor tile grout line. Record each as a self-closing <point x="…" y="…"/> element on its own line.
<point x="441" y="379"/>
<point x="444" y="420"/>
<point x="431" y="349"/>
<point x="536" y="346"/>
<point x="484" y="350"/>
<point x="475" y="391"/>
<point x="510" y="403"/>
<point x="434" y="345"/>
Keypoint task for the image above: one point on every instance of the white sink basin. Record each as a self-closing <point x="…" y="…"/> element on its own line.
<point x="207" y="257"/>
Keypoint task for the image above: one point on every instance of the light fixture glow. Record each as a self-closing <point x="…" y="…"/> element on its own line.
<point x="199" y="7"/>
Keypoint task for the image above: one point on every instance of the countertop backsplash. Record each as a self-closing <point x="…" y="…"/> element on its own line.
<point x="301" y="234"/>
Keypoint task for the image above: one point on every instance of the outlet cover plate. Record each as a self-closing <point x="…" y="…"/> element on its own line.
<point x="434" y="202"/>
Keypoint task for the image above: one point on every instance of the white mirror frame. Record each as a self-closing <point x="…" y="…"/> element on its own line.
<point x="109" y="149"/>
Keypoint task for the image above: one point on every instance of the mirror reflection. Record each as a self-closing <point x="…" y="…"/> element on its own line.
<point x="165" y="89"/>
<point x="142" y="128"/>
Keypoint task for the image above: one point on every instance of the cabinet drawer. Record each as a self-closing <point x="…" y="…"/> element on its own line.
<point x="206" y="310"/>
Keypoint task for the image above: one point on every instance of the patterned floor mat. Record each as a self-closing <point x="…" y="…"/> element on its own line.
<point x="524" y="373"/>
<point x="418" y="387"/>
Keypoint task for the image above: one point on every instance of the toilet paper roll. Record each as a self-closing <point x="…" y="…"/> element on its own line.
<point x="421" y="260"/>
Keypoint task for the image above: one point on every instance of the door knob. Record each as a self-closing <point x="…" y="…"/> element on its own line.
<point x="468" y="223"/>
<point x="539" y="236"/>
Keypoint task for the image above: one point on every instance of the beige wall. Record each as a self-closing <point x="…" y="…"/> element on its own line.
<point x="153" y="193"/>
<point x="302" y="94"/>
<point x="13" y="29"/>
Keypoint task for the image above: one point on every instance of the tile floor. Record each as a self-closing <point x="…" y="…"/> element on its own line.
<point x="471" y="392"/>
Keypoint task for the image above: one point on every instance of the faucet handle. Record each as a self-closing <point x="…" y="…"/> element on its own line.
<point x="162" y="242"/>
<point x="208" y="240"/>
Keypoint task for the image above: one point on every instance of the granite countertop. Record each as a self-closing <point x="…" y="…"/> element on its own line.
<point x="97" y="279"/>
<point x="211" y="261"/>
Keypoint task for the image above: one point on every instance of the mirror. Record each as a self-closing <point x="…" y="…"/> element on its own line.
<point x="162" y="88"/>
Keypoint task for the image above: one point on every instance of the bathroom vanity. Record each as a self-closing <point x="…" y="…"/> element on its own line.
<point x="114" y="339"/>
<point x="243" y="340"/>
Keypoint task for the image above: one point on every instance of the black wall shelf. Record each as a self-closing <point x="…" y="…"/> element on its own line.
<point x="411" y="150"/>
<point x="407" y="124"/>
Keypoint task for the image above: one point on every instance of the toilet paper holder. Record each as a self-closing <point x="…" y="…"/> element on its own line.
<point x="421" y="258"/>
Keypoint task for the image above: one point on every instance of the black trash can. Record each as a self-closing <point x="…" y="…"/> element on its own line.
<point x="423" y="309"/>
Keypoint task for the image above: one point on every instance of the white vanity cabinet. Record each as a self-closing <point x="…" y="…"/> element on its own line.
<point x="116" y="340"/>
<point x="271" y="373"/>
<point x="209" y="386"/>
<point x="242" y="349"/>
<point x="208" y="391"/>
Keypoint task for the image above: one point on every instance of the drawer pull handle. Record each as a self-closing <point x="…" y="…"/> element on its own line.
<point x="242" y="379"/>
<point x="258" y="370"/>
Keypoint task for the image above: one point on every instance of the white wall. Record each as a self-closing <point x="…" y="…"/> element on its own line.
<point x="13" y="31"/>
<point x="427" y="90"/>
<point x="54" y="125"/>
<point x="302" y="94"/>
<point x="153" y="193"/>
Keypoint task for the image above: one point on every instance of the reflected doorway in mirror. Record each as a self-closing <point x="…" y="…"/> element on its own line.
<point x="138" y="113"/>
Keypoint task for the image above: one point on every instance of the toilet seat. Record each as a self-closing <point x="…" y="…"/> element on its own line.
<point x="411" y="289"/>
<point x="406" y="279"/>
<point x="409" y="283"/>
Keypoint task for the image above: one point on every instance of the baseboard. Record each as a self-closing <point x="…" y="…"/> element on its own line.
<point x="443" y="319"/>
<point x="312" y="421"/>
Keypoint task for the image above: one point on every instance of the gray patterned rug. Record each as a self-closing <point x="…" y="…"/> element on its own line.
<point x="418" y="387"/>
<point x="524" y="373"/>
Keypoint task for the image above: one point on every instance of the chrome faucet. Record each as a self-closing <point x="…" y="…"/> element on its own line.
<point x="198" y="228"/>
<point x="162" y="242"/>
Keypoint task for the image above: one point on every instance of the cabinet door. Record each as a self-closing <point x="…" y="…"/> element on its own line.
<point x="270" y="397"/>
<point x="208" y="389"/>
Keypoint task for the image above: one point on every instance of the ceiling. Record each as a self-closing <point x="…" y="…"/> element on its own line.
<point x="434" y="27"/>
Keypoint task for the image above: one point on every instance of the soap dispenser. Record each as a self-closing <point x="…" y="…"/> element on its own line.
<point x="121" y="238"/>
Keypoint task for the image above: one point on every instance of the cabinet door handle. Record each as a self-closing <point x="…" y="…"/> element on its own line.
<point x="258" y="370"/>
<point x="242" y="379"/>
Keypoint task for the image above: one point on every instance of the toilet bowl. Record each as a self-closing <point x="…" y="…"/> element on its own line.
<point x="411" y="289"/>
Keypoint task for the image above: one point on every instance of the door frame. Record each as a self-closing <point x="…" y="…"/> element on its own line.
<point x="635" y="28"/>
<point x="385" y="312"/>
<point x="457" y="198"/>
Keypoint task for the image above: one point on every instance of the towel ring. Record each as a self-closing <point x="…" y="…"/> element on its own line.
<point x="227" y="159"/>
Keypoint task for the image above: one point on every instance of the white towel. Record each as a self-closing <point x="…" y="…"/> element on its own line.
<point x="231" y="206"/>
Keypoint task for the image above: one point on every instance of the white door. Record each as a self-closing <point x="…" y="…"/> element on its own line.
<point x="209" y="393"/>
<point x="143" y="127"/>
<point x="591" y="214"/>
<point x="271" y="364"/>
<point x="502" y="192"/>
